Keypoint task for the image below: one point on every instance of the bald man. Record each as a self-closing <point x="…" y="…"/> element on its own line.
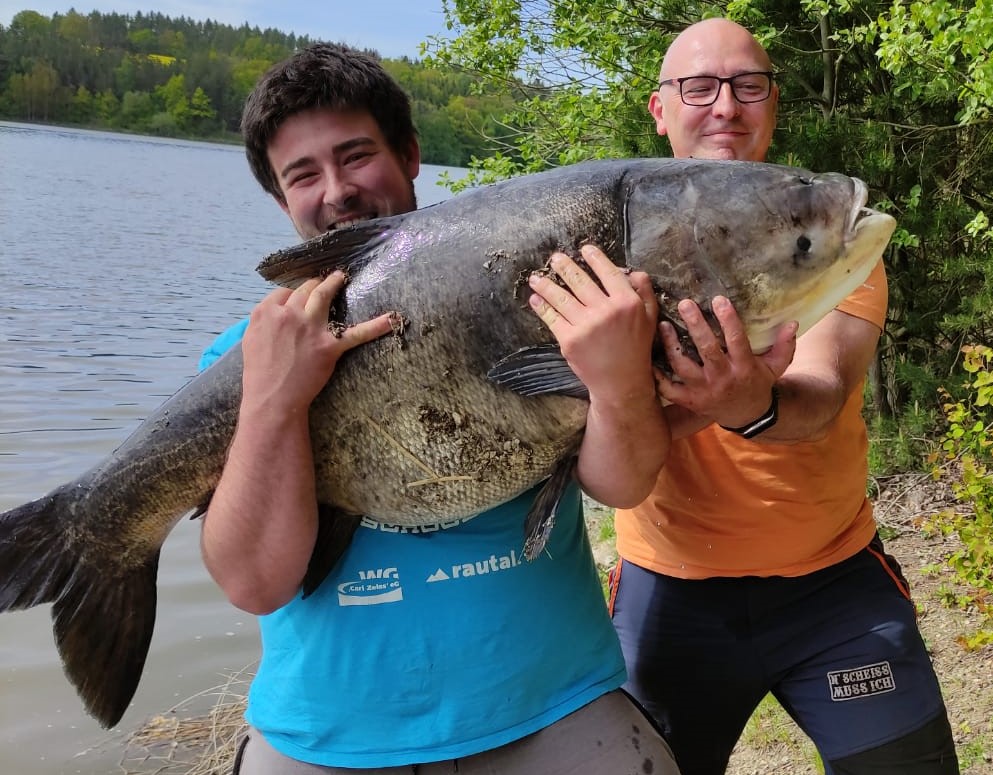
<point x="755" y="566"/>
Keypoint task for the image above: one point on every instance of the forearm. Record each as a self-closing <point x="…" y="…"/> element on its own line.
<point x="684" y="422"/>
<point x="624" y="446"/>
<point x="829" y="366"/>
<point x="733" y="388"/>
<point x="259" y="531"/>
<point x="808" y="404"/>
<point x="261" y="526"/>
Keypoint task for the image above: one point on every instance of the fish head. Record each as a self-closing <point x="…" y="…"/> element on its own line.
<point x="780" y="242"/>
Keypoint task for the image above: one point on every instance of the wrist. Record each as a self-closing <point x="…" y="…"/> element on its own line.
<point x="761" y="423"/>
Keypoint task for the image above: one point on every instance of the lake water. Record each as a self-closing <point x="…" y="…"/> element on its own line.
<point x="120" y="258"/>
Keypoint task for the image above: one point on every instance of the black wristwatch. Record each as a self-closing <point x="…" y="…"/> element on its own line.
<point x="763" y="423"/>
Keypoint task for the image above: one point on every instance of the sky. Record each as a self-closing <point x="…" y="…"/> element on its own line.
<point x="394" y="28"/>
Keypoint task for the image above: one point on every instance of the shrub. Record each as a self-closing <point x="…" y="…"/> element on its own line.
<point x="966" y="455"/>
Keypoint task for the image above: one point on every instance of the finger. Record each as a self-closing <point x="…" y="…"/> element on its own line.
<point x="548" y="314"/>
<point x="613" y="277"/>
<point x="551" y="298"/>
<point x="318" y="302"/>
<point x="642" y="285"/>
<point x="297" y="298"/>
<point x="278" y="296"/>
<point x="780" y="355"/>
<point x="671" y="391"/>
<point x="366" y="331"/>
<point x="681" y="363"/>
<point x="707" y="344"/>
<point x="735" y="336"/>
<point x="576" y="279"/>
<point x="660" y="380"/>
<point x="303" y="290"/>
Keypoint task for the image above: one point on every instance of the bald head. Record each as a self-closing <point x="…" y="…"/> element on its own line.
<point x="727" y="128"/>
<point x="701" y="43"/>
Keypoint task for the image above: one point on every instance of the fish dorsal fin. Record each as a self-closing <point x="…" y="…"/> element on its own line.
<point x="347" y="249"/>
<point x="538" y="370"/>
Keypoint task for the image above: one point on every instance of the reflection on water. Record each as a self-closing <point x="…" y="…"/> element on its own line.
<point x="120" y="258"/>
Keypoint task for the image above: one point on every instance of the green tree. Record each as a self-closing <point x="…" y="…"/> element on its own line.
<point x="136" y="111"/>
<point x="106" y="107"/>
<point x="34" y="94"/>
<point x="83" y="107"/>
<point x="201" y="115"/>
<point x="172" y="97"/>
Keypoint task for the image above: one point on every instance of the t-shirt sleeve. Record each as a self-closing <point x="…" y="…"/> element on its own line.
<point x="869" y="300"/>
<point x="224" y="342"/>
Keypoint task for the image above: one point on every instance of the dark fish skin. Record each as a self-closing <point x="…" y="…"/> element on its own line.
<point x="466" y="407"/>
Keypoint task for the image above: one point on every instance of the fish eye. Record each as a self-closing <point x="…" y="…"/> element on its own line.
<point x="803" y="242"/>
<point x="805" y="181"/>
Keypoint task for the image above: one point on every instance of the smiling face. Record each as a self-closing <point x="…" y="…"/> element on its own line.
<point x="335" y="167"/>
<point x="727" y="129"/>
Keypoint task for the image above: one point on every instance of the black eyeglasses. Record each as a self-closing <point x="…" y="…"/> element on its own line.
<point x="702" y="90"/>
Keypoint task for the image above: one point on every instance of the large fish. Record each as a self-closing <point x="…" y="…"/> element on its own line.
<point x="467" y="406"/>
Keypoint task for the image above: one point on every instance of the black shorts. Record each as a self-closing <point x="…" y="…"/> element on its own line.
<point x="839" y="648"/>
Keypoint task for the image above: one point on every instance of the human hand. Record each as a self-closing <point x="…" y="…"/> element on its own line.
<point x="605" y="334"/>
<point x="289" y="349"/>
<point x="732" y="386"/>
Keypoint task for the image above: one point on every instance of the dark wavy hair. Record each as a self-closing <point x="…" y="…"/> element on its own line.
<point x="323" y="75"/>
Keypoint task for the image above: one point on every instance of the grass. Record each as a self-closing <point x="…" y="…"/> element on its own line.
<point x="771" y="727"/>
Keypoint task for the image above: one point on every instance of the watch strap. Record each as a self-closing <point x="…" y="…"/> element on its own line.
<point x="760" y="424"/>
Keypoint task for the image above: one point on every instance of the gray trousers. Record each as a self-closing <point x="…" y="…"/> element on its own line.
<point x="610" y="736"/>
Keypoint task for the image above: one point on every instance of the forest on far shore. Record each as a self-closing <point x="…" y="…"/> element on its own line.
<point x="152" y="74"/>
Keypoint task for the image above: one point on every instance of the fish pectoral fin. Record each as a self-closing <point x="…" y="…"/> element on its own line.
<point x="335" y="529"/>
<point x="538" y="370"/>
<point x="199" y="510"/>
<point x="347" y="249"/>
<point x="541" y="516"/>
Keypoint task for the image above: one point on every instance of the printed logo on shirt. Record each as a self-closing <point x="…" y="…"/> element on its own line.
<point x="861" y="682"/>
<point x="373" y="587"/>
<point x="492" y="564"/>
<point x="434" y="527"/>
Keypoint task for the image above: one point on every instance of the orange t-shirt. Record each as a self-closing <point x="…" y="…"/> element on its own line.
<point x="726" y="506"/>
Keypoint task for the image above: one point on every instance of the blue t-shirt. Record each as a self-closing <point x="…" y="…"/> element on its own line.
<point x="435" y="643"/>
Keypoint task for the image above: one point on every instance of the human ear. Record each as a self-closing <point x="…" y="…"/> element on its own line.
<point x="658" y="112"/>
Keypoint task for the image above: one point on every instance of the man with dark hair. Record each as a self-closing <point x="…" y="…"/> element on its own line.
<point x="513" y="671"/>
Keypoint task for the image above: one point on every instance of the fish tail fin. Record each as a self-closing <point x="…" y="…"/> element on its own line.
<point x="34" y="562"/>
<point x="102" y="619"/>
<point x="541" y="516"/>
<point x="103" y="626"/>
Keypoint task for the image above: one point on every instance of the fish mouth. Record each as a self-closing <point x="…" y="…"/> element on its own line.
<point x="866" y="234"/>
<point x="858" y="212"/>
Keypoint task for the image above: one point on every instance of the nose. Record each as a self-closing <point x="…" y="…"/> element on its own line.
<point x="339" y="191"/>
<point x="726" y="104"/>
